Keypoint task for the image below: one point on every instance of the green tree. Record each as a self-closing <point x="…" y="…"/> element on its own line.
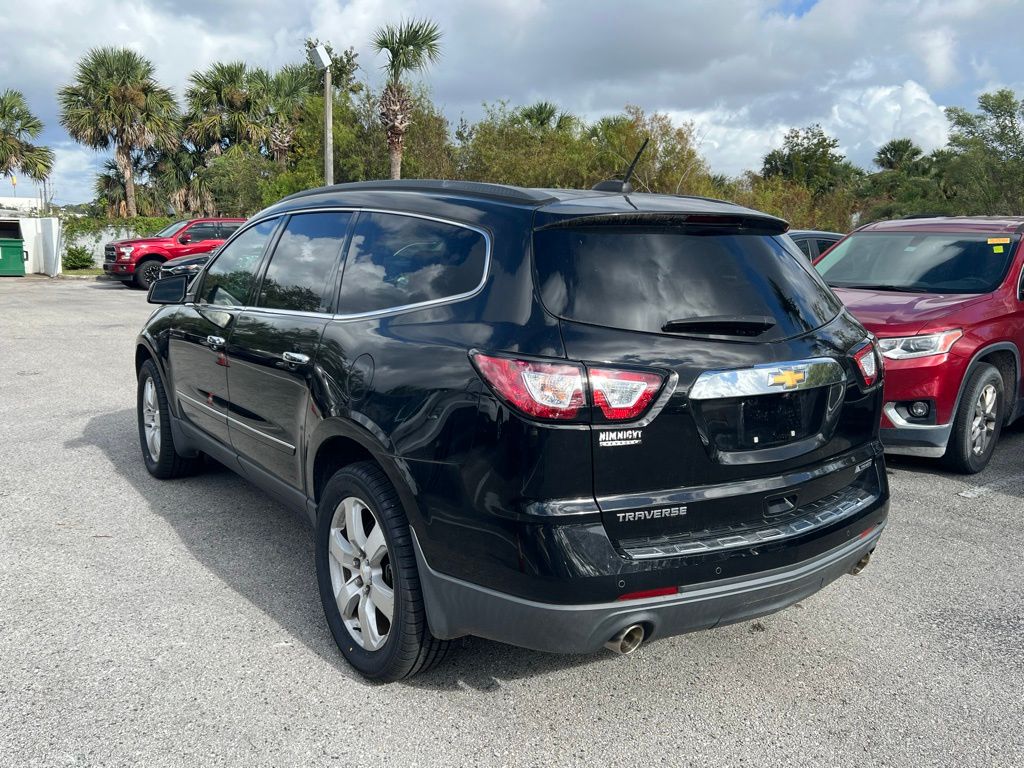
<point x="671" y="163"/>
<point x="989" y="154"/>
<point x="226" y="106"/>
<point x="17" y="126"/>
<point x="344" y="66"/>
<point x="115" y="101"/>
<point x="410" y="47"/>
<point x="811" y="157"/>
<point x="237" y="179"/>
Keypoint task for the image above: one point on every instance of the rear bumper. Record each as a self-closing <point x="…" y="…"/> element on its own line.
<point x="927" y="441"/>
<point x="456" y="608"/>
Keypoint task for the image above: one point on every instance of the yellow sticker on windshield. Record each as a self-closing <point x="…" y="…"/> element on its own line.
<point x="997" y="249"/>
<point x="998" y="240"/>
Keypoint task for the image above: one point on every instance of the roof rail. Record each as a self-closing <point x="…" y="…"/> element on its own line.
<point x="503" y="192"/>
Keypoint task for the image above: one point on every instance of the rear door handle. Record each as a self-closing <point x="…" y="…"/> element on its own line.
<point x="215" y="342"/>
<point x="296" y="358"/>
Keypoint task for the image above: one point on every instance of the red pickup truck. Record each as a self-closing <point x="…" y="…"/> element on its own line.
<point x="137" y="261"/>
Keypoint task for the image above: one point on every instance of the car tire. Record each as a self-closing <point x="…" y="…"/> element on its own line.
<point x="155" y="436"/>
<point x="364" y="560"/>
<point x="978" y="421"/>
<point x="147" y="272"/>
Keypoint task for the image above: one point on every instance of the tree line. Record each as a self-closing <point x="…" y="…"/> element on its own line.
<point x="244" y="137"/>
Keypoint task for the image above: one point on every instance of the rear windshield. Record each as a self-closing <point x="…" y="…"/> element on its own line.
<point x="918" y="263"/>
<point x="656" y="279"/>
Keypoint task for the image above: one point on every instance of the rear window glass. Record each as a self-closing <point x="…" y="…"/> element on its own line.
<point x="919" y="263"/>
<point x="642" y="279"/>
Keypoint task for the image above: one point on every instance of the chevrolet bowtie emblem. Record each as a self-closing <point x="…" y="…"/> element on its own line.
<point x="787" y="378"/>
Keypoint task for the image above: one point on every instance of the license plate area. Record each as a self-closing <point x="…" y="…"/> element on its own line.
<point x="765" y="421"/>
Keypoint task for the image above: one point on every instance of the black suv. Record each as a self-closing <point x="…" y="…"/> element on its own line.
<point x="558" y="419"/>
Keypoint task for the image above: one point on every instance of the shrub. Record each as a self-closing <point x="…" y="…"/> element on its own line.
<point x="77" y="257"/>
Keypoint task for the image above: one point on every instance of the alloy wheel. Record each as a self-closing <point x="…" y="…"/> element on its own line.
<point x="361" y="575"/>
<point x="151" y="273"/>
<point x="151" y="418"/>
<point x="983" y="422"/>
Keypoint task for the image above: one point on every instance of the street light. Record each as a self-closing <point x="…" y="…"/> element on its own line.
<point x="322" y="61"/>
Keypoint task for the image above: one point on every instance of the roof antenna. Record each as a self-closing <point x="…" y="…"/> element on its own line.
<point x="622" y="187"/>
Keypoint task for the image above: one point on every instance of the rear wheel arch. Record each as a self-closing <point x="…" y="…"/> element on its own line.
<point x="341" y="444"/>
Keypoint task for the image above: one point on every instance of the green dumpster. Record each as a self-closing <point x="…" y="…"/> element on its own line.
<point x="12" y="256"/>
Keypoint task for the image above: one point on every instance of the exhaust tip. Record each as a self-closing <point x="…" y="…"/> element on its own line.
<point x="627" y="640"/>
<point x="861" y="564"/>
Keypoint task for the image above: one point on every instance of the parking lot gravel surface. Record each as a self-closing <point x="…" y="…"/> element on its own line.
<point x="178" y="623"/>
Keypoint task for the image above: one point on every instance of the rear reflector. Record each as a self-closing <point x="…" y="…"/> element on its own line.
<point x="623" y="394"/>
<point x="867" y="362"/>
<point x="660" y="592"/>
<point x="544" y="390"/>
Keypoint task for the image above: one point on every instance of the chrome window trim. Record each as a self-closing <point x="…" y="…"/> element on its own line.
<point x="200" y="277"/>
<point x="748" y="382"/>
<point x="344" y="317"/>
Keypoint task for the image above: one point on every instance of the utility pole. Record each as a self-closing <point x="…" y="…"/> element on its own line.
<point x="322" y="60"/>
<point x="328" y="128"/>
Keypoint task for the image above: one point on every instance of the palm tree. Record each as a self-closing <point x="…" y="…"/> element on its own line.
<point x="180" y="179"/>
<point x="111" y="189"/>
<point x="224" y="106"/>
<point x="116" y="101"/>
<point x="282" y="100"/>
<point x="410" y="47"/>
<point x="545" y="116"/>
<point x="898" y="155"/>
<point x="17" y="126"/>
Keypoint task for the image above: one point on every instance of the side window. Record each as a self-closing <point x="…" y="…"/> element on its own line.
<point x="299" y="275"/>
<point x="824" y="245"/>
<point x="228" y="228"/>
<point x="202" y="231"/>
<point x="230" y="276"/>
<point x="397" y="260"/>
<point x="805" y="246"/>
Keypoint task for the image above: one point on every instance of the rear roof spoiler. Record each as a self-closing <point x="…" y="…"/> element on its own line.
<point x="745" y="223"/>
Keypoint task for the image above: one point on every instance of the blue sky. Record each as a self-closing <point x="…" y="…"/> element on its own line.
<point x="743" y="71"/>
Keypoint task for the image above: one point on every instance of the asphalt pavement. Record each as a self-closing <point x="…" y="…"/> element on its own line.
<point x="178" y="623"/>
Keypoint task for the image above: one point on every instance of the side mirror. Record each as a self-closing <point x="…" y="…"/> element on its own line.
<point x="170" y="290"/>
<point x="184" y="239"/>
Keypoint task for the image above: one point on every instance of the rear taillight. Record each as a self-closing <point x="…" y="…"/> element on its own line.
<point x="623" y="394"/>
<point x="544" y="390"/>
<point x="867" y="363"/>
<point x="557" y="390"/>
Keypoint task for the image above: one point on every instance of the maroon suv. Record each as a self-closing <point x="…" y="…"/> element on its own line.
<point x="137" y="261"/>
<point x="944" y="297"/>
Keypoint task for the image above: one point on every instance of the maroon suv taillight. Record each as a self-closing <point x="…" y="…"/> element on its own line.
<point x="558" y="390"/>
<point x="867" y="362"/>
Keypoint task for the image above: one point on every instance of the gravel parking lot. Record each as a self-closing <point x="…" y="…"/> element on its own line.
<point x="178" y="623"/>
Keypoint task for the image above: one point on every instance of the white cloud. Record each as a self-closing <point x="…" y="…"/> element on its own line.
<point x="861" y="118"/>
<point x="937" y="49"/>
<point x="74" y="170"/>
<point x="745" y="70"/>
